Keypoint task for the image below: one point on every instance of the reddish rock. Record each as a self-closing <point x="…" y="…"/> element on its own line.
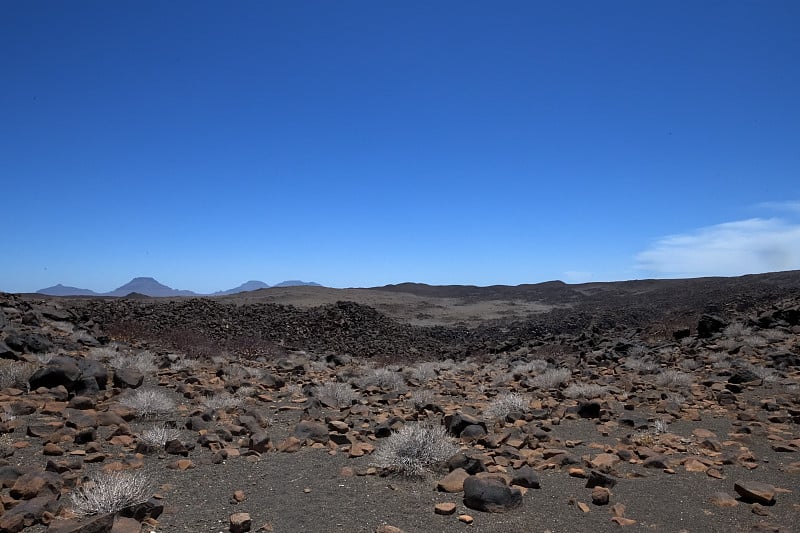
<point x="446" y="508"/>
<point x="755" y="492"/>
<point x="453" y="482"/>
<point x="240" y="523"/>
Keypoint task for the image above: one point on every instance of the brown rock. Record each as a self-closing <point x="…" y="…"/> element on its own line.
<point x="359" y="449"/>
<point x="453" y="482"/>
<point x="290" y="445"/>
<point x="693" y="465"/>
<point x="126" y="525"/>
<point x="239" y="496"/>
<point x="600" y="495"/>
<point x="755" y="492"/>
<point x="240" y="523"/>
<point x="32" y="484"/>
<point x="95" y="524"/>
<point x="467" y="519"/>
<point x="388" y="529"/>
<point x="604" y="461"/>
<point x="723" y="499"/>
<point x="446" y="508"/>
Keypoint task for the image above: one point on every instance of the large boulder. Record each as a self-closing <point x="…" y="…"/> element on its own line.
<point x="62" y="371"/>
<point x="490" y="494"/>
<point x="709" y="325"/>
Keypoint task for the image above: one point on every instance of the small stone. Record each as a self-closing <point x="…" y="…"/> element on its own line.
<point x="723" y="499"/>
<point x="467" y="519"/>
<point x="759" y="510"/>
<point x="239" y="496"/>
<point x="240" y="522"/>
<point x="385" y="528"/>
<point x="755" y="492"/>
<point x="583" y="507"/>
<point x="290" y="445"/>
<point x="693" y="465"/>
<point x="600" y="495"/>
<point x="446" y="508"/>
<point x="52" y="449"/>
<point x="453" y="482"/>
<point x="622" y="521"/>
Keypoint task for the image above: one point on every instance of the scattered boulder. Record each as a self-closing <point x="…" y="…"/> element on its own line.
<point x="755" y="492"/>
<point x="490" y="494"/>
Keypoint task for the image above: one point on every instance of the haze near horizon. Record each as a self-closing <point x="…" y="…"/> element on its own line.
<point x="360" y="143"/>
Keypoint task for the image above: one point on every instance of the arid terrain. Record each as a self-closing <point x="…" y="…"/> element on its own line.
<point x="658" y="405"/>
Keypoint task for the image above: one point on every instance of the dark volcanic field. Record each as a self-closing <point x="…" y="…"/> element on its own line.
<point x="657" y="405"/>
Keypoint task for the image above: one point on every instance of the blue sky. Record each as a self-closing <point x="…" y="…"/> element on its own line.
<point x="365" y="143"/>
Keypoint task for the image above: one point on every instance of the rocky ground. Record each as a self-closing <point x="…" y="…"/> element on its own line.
<point x="653" y="406"/>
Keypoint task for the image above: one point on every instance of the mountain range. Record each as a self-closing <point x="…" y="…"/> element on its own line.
<point x="151" y="287"/>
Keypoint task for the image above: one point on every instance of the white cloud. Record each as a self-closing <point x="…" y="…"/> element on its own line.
<point x="730" y="249"/>
<point x="791" y="206"/>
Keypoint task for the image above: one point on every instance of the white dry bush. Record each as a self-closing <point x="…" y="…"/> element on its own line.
<point x="585" y="390"/>
<point x="16" y="374"/>
<point x="184" y="363"/>
<point x="768" y="375"/>
<point x="422" y="397"/>
<point x="534" y="366"/>
<point x="414" y="449"/>
<point x="424" y="373"/>
<point x="383" y="378"/>
<point x="642" y="365"/>
<point x="221" y="400"/>
<point x="245" y="391"/>
<point x="338" y="394"/>
<point x="504" y="404"/>
<point x="736" y="329"/>
<point x="159" y="434"/>
<point x="143" y="361"/>
<point x="104" y="353"/>
<point x="109" y="492"/>
<point x="551" y="378"/>
<point x="660" y="426"/>
<point x="674" y="379"/>
<point x="148" y="402"/>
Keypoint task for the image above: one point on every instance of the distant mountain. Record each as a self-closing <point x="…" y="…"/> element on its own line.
<point x="297" y="283"/>
<point x="252" y="285"/>
<point x="148" y="287"/>
<point x="63" y="290"/>
<point x="141" y="287"/>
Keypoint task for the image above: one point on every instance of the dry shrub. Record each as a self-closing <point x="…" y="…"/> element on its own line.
<point x="336" y="394"/>
<point x="414" y="449"/>
<point x="585" y="390"/>
<point x="552" y="378"/>
<point x="148" y="402"/>
<point x="15" y="373"/>
<point x="504" y="404"/>
<point x="159" y="434"/>
<point x="109" y="492"/>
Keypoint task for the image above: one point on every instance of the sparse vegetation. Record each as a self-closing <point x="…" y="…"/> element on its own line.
<point x="109" y="492"/>
<point x="336" y="394"/>
<point x="414" y="449"/>
<point x="221" y="401"/>
<point x="504" y="404"/>
<point x="674" y="379"/>
<point x="383" y="378"/>
<point x="159" y="434"/>
<point x="585" y="390"/>
<point x="15" y="373"/>
<point x="148" y="402"/>
<point x="143" y="361"/>
<point x="551" y="378"/>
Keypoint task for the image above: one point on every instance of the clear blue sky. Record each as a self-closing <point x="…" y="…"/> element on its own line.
<point x="365" y="143"/>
